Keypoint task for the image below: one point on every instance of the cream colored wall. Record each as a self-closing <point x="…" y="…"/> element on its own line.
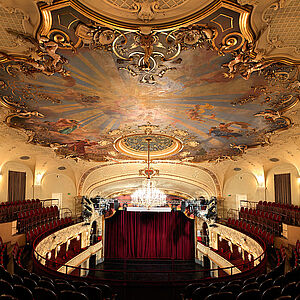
<point x="19" y="167"/>
<point x="241" y="183"/>
<point x="282" y="169"/>
<point x="49" y="183"/>
<point x="257" y="182"/>
<point x="58" y="183"/>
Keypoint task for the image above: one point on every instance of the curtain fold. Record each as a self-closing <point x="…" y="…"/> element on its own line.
<point x="282" y="183"/>
<point x="133" y="235"/>
<point x="16" y="186"/>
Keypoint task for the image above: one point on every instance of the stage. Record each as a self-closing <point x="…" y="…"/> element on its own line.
<point x="148" y="279"/>
<point x="149" y="271"/>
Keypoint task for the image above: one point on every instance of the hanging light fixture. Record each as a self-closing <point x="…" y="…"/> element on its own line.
<point x="148" y="196"/>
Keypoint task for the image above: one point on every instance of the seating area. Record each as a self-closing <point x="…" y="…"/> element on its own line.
<point x="289" y="213"/>
<point x="275" y="284"/>
<point x="269" y="286"/>
<point x="9" y="210"/>
<point x="57" y="224"/>
<point x="252" y="229"/>
<point x="25" y="285"/>
<point x="268" y="220"/>
<point x="296" y="255"/>
<point x="33" y="218"/>
<point x="3" y="252"/>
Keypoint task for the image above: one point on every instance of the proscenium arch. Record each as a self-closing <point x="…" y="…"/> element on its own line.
<point x="172" y="186"/>
<point x="209" y="173"/>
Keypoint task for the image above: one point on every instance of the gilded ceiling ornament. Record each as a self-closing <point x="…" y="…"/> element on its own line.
<point x="184" y="154"/>
<point x="192" y="144"/>
<point x="269" y="115"/>
<point x="195" y="36"/>
<point x="240" y="148"/>
<point x="145" y="9"/>
<point x="17" y="111"/>
<point x="244" y="64"/>
<point x="41" y="57"/>
<point x="48" y="2"/>
<point x="104" y="143"/>
<point x="249" y="2"/>
<point x="148" y="128"/>
<point x="115" y="132"/>
<point x="180" y="132"/>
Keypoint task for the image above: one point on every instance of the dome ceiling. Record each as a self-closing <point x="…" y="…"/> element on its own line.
<point x="94" y="90"/>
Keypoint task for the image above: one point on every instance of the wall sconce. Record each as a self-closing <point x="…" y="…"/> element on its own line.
<point x="249" y="257"/>
<point x="68" y="243"/>
<point x="49" y="255"/>
<point x="229" y="243"/>
<point x="240" y="249"/>
<point x="220" y="239"/>
<point x="38" y="178"/>
<point x="78" y="237"/>
<point x="58" y="248"/>
<point x="260" y="180"/>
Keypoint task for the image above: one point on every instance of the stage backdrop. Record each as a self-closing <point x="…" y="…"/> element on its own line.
<point x="130" y="235"/>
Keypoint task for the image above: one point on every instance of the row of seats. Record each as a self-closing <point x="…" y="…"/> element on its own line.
<point x="23" y="285"/>
<point x="290" y="213"/>
<point x="249" y="228"/>
<point x="30" y="286"/>
<point x="9" y="210"/>
<point x="280" y="254"/>
<point x="296" y="254"/>
<point x="3" y="252"/>
<point x="268" y="286"/>
<point x="269" y="220"/>
<point x="35" y="217"/>
<point x="32" y="234"/>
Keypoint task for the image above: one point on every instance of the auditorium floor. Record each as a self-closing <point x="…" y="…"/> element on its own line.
<point x="148" y="279"/>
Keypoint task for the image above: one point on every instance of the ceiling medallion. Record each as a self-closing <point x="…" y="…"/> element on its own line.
<point x="135" y="145"/>
<point x="131" y="14"/>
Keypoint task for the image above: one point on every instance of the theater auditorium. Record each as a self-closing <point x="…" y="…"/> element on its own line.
<point x="149" y="149"/>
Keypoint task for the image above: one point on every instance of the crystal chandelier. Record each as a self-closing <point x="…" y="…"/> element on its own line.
<point x="148" y="196"/>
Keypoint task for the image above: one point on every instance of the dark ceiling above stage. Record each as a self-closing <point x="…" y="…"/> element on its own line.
<point x="198" y="84"/>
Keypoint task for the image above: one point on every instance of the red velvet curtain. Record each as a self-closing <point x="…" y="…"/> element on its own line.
<point x="131" y="235"/>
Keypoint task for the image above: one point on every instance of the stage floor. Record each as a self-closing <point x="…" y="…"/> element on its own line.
<point x="149" y="271"/>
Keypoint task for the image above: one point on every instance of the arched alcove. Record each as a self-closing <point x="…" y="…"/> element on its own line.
<point x="59" y="183"/>
<point x="243" y="183"/>
<point x="18" y="167"/>
<point x="283" y="168"/>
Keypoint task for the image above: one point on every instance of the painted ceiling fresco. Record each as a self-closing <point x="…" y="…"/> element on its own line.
<point x="215" y="101"/>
